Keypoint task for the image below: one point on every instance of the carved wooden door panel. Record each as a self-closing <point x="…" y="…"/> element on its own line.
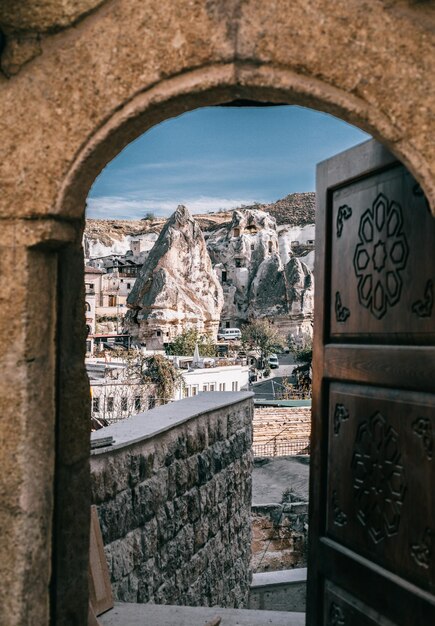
<point x="372" y="491"/>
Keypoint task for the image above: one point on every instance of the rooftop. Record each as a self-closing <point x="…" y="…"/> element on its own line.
<point x="93" y="270"/>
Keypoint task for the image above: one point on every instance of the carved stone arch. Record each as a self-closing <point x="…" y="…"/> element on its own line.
<point x="71" y="98"/>
<point x="212" y="85"/>
<point x="217" y="85"/>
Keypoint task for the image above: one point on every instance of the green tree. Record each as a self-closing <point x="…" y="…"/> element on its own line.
<point x="149" y="216"/>
<point x="184" y="344"/>
<point x="155" y="369"/>
<point x="302" y="353"/>
<point x="164" y="375"/>
<point x="260" y="335"/>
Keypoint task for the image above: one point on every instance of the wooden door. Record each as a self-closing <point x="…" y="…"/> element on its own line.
<point x="372" y="485"/>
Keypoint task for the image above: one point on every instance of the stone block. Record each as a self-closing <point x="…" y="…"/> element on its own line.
<point x="204" y="468"/>
<point x="149" y="538"/>
<point x="181" y="476"/>
<point x="181" y="514"/>
<point x="235" y="421"/>
<point x="193" y="504"/>
<point x="192" y="472"/>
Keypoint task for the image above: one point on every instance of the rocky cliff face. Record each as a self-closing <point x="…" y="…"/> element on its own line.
<point x="106" y="237"/>
<point x="256" y="281"/>
<point x="237" y="253"/>
<point x="284" y="295"/>
<point x="177" y="287"/>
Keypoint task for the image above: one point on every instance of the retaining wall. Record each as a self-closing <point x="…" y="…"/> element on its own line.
<point x="174" y="502"/>
<point x="285" y="590"/>
<point x="279" y="536"/>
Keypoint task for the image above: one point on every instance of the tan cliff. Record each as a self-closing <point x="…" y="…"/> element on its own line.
<point x="177" y="287"/>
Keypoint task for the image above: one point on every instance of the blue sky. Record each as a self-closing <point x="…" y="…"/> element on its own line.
<point x="217" y="158"/>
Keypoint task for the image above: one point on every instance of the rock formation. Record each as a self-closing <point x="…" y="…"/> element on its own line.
<point x="284" y="295"/>
<point x="237" y="252"/>
<point x="256" y="281"/>
<point x="177" y="287"/>
<point x="263" y="256"/>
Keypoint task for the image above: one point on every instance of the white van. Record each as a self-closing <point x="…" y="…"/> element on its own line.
<point x="273" y="361"/>
<point x="229" y="334"/>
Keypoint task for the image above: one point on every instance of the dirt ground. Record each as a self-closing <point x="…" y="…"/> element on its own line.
<point x="273" y="475"/>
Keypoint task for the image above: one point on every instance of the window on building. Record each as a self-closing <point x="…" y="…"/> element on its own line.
<point x="236" y="232"/>
<point x="137" y="403"/>
<point x="235" y="385"/>
<point x="87" y="306"/>
<point x="194" y="390"/>
<point x="310" y="242"/>
<point x="96" y="405"/>
<point x="186" y="392"/>
<point x="224" y="276"/>
<point x="158" y="333"/>
<point x="222" y="386"/>
<point x="252" y="246"/>
<point x="124" y="403"/>
<point x="227" y="324"/>
<point x="109" y="404"/>
<point x="238" y="262"/>
<point x="151" y="402"/>
<point x="270" y="246"/>
<point x="205" y="387"/>
<point x="128" y="285"/>
<point x="212" y="386"/>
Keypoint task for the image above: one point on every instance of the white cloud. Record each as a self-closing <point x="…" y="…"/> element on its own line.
<point x="118" y="207"/>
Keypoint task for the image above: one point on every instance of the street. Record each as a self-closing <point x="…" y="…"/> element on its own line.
<point x="265" y="389"/>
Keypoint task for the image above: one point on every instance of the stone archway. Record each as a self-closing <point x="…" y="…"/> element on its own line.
<point x="72" y="99"/>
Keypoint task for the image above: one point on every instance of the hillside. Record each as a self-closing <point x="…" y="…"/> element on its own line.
<point x="296" y="209"/>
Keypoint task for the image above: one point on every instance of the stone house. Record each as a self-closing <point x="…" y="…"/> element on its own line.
<point x="93" y="291"/>
<point x="177" y="288"/>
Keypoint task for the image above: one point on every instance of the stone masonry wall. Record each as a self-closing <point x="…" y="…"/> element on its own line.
<point x="279" y="536"/>
<point x="175" y="511"/>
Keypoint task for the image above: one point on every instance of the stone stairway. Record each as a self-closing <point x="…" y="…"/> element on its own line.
<point x="125" y="614"/>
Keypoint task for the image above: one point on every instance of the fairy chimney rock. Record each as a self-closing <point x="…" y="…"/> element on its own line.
<point x="177" y="287"/>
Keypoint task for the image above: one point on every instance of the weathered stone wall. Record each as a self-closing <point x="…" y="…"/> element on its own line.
<point x="174" y="509"/>
<point x="279" y="536"/>
<point x="284" y="590"/>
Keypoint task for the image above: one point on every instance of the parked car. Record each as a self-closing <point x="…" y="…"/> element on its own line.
<point x="273" y="361"/>
<point x="229" y="334"/>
